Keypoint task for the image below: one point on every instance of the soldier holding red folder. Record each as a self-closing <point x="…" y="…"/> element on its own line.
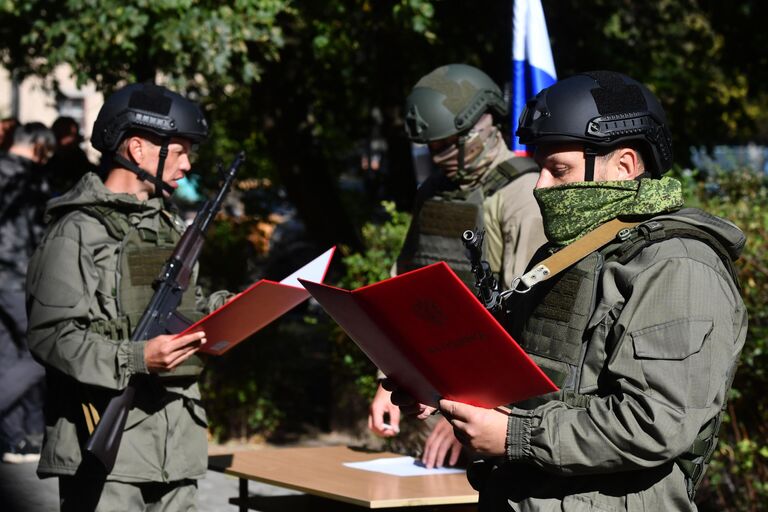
<point x="642" y="333"/>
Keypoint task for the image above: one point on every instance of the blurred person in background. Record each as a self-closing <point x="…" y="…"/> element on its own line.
<point x="7" y="127"/>
<point x="69" y="162"/>
<point x="23" y="194"/>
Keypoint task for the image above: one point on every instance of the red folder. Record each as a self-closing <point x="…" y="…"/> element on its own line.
<point x="260" y="304"/>
<point x="426" y="331"/>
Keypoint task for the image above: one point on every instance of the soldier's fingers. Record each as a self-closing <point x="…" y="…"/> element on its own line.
<point x="456" y="410"/>
<point x="455" y="451"/>
<point x="181" y="356"/>
<point x="194" y="338"/>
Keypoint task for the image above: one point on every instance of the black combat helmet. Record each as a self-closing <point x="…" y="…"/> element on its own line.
<point x="599" y="109"/>
<point x="153" y="110"/>
<point x="449" y="101"/>
<point x="150" y="108"/>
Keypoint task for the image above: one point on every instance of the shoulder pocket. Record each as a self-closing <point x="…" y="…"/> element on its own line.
<point x="676" y="361"/>
<point x="673" y="340"/>
<point x="56" y="281"/>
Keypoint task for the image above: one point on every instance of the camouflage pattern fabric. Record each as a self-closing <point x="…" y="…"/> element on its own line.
<point x="572" y="210"/>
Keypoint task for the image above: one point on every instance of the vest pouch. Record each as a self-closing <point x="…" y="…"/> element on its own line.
<point x="556" y="315"/>
<point x="435" y="235"/>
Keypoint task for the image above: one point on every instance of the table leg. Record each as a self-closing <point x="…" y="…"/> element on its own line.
<point x="243" y="495"/>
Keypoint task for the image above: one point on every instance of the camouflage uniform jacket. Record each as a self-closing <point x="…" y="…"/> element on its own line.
<point x="70" y="287"/>
<point x="658" y="351"/>
<point x="24" y="193"/>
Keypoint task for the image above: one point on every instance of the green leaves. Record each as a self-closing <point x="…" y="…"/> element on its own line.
<point x="739" y="472"/>
<point x="188" y="41"/>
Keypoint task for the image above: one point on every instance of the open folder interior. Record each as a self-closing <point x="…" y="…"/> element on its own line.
<point x="259" y="305"/>
<point x="425" y="330"/>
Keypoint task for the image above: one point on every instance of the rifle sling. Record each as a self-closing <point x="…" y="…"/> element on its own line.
<point x="572" y="253"/>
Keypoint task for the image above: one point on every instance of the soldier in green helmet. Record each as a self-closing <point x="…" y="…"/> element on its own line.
<point x="640" y="330"/>
<point x="481" y="184"/>
<point x="88" y="284"/>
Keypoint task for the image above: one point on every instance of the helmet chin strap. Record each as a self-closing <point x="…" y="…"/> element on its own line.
<point x="460" y="144"/>
<point x="589" y="163"/>
<point x="143" y="175"/>
<point x="159" y="173"/>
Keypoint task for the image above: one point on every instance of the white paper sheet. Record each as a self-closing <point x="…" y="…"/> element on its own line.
<point x="313" y="271"/>
<point x="400" y="466"/>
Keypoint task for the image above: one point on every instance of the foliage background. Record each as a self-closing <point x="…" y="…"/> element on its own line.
<point x="301" y="84"/>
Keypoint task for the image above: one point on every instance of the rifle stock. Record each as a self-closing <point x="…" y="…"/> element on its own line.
<point x="158" y="318"/>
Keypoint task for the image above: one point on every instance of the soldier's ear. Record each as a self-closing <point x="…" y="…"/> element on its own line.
<point x="136" y="149"/>
<point x="629" y="163"/>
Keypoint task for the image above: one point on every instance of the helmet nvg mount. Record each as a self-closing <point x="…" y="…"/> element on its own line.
<point x="599" y="109"/>
<point x="151" y="109"/>
<point x="449" y="101"/>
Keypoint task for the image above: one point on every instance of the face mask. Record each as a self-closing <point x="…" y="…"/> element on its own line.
<point x="572" y="210"/>
<point x="481" y="145"/>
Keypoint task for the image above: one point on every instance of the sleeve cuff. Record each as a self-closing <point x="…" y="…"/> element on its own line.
<point x="136" y="362"/>
<point x="518" y="436"/>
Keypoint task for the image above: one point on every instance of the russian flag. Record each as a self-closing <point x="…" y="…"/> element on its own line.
<point x="532" y="66"/>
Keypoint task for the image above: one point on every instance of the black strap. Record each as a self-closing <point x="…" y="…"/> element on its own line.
<point x="589" y="163"/>
<point x="160" y="169"/>
<point x="142" y="174"/>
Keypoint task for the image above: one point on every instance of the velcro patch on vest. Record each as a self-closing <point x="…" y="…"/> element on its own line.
<point x="449" y="219"/>
<point x="145" y="265"/>
<point x="559" y="303"/>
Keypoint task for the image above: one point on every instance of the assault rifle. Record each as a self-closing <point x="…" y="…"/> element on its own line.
<point x="485" y="282"/>
<point x="160" y="317"/>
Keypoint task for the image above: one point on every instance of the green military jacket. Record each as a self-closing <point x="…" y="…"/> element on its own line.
<point x="72" y="285"/>
<point x="657" y="355"/>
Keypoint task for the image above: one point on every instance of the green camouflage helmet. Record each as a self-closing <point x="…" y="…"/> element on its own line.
<point x="449" y="101"/>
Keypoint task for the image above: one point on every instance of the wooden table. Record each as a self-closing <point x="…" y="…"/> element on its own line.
<point x="319" y="472"/>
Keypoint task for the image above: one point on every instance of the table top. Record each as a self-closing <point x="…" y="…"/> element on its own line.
<point x="320" y="471"/>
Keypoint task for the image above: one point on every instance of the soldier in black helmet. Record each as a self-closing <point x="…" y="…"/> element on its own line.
<point x="88" y="284"/>
<point x="481" y="184"/>
<point x="640" y="324"/>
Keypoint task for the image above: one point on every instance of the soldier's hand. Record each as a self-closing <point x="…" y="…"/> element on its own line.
<point x="408" y="405"/>
<point x="381" y="410"/>
<point x="482" y="430"/>
<point x="166" y="352"/>
<point x="441" y="447"/>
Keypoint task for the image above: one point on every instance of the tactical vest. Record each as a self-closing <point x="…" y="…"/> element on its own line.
<point x="141" y="255"/>
<point x="435" y="232"/>
<point x="550" y="323"/>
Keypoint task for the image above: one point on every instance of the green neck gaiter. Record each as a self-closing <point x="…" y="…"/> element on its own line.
<point x="572" y="210"/>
